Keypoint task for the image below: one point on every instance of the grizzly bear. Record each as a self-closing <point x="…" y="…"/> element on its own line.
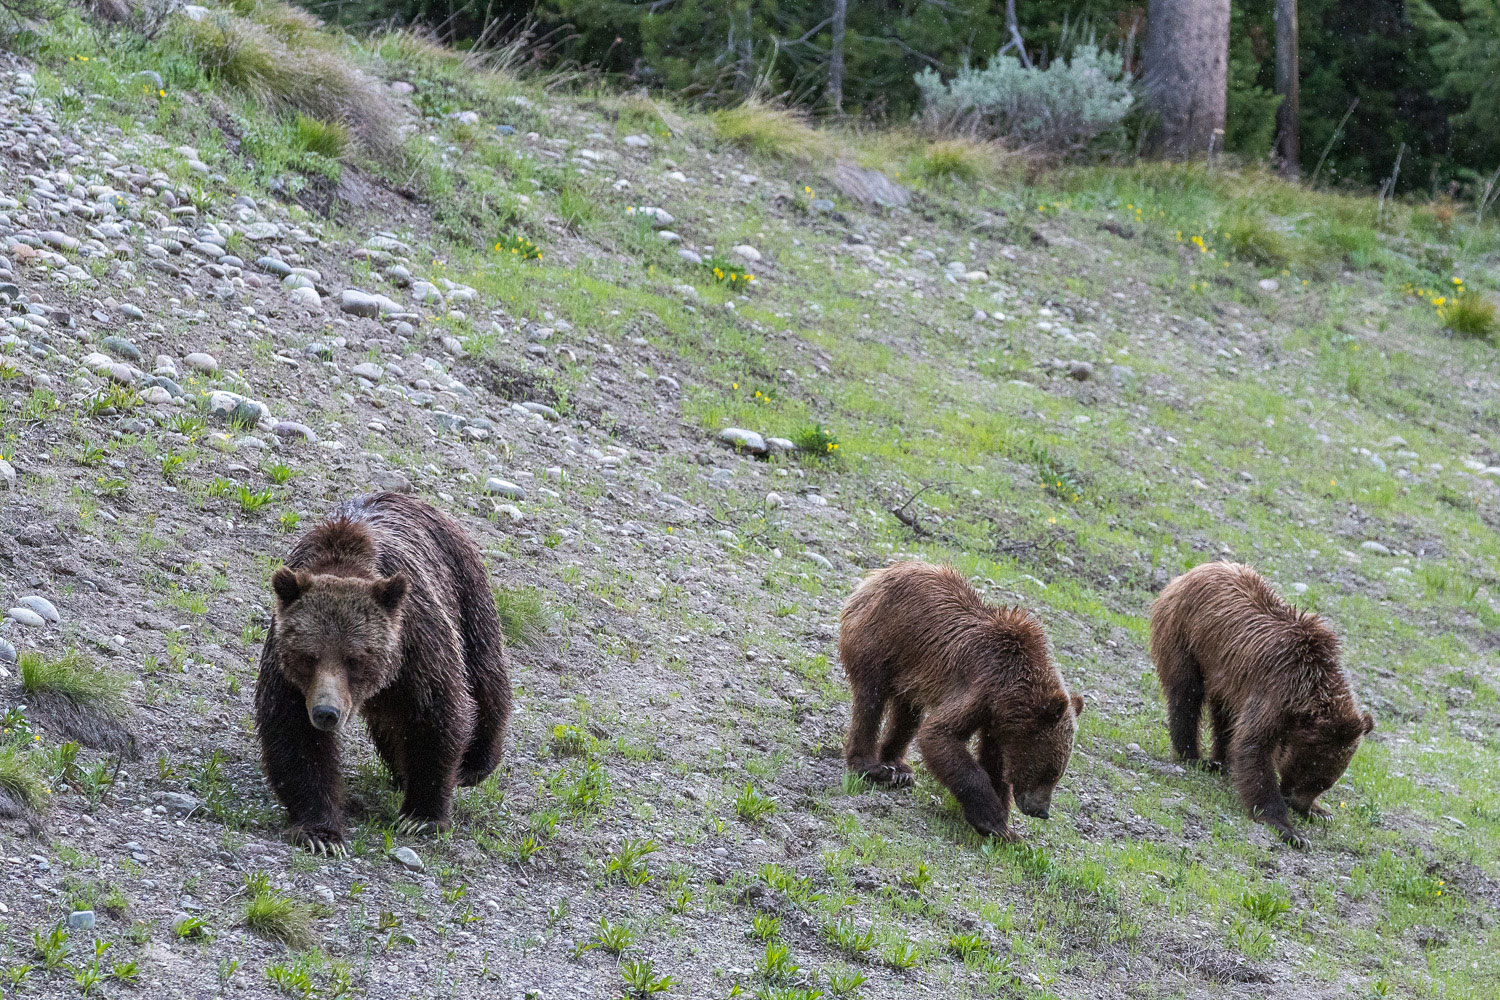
<point x="1279" y="701"/>
<point x="383" y="610"/>
<point x="921" y="648"/>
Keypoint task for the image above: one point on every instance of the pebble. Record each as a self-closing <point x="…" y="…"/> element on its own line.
<point x="637" y="141"/>
<point x="25" y="616"/>
<point x="43" y="607"/>
<point x="81" y="920"/>
<point x="407" y="858"/>
<point x="292" y="429"/>
<point x="781" y="446"/>
<point x="7" y="475"/>
<point x="367" y="370"/>
<point x="1375" y="547"/>
<point x="741" y="439"/>
<point x="503" y="487"/>
<point x="324" y="894"/>
<point x="200" y="362"/>
<point x="7" y="652"/>
<point x="1080" y="370"/>
<point x="1269" y="284"/>
<point x="747" y="253"/>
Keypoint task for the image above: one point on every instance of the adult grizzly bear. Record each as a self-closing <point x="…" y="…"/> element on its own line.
<point x="1279" y="701"/>
<point x="918" y="639"/>
<point x="383" y="610"/>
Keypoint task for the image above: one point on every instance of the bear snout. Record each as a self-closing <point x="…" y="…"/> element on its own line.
<point x="325" y="717"/>
<point x="1035" y="804"/>
<point x="329" y="703"/>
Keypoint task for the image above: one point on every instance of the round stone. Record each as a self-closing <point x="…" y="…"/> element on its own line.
<point x="743" y="440"/>
<point x="43" y="607"/>
<point x="25" y="616"/>
<point x="200" y="362"/>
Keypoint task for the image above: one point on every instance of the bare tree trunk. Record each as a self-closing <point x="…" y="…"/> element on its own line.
<point x="836" y="57"/>
<point x="1186" y="78"/>
<point x="1287" y="87"/>
<point x="1014" y="28"/>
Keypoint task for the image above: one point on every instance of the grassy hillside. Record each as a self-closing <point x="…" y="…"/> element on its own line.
<point x="1072" y="384"/>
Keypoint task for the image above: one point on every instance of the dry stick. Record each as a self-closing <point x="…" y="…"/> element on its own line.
<point x="1333" y="139"/>
<point x="1389" y="187"/>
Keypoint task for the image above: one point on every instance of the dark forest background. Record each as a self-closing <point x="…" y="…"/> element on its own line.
<point x="1425" y="74"/>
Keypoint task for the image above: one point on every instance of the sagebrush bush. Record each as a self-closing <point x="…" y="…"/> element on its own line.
<point x="1061" y="108"/>
<point x="281" y="69"/>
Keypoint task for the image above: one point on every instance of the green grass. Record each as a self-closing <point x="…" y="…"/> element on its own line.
<point x="1259" y="242"/>
<point x="22" y="778"/>
<point x="525" y="617"/>
<point x="330" y="139"/>
<point x="75" y="677"/>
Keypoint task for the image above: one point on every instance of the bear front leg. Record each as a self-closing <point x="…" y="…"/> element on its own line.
<point x="902" y="721"/>
<point x="945" y="751"/>
<point x="1252" y="763"/>
<point x="992" y="759"/>
<point x="301" y="763"/>
<point x="433" y="750"/>
<point x="861" y="752"/>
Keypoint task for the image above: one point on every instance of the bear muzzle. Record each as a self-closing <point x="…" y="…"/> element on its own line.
<point x="328" y="703"/>
<point x="1036" y="803"/>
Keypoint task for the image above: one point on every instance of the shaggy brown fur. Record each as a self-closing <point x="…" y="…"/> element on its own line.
<point x="1279" y="701"/>
<point x="920" y="647"/>
<point x="385" y="609"/>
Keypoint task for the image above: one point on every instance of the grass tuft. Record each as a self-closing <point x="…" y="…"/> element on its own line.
<point x="772" y="131"/>
<point x="23" y="786"/>
<point x="955" y="159"/>
<point x="281" y="69"/>
<point x="275" y="915"/>
<point x="74" y="677"/>
<point x="1253" y="240"/>
<point x="1472" y="315"/>
<point x="330" y="139"/>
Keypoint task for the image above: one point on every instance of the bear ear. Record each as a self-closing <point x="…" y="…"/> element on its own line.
<point x="1052" y="709"/>
<point x="390" y="592"/>
<point x="1366" y="723"/>
<point x="1077" y="700"/>
<point x="289" y="586"/>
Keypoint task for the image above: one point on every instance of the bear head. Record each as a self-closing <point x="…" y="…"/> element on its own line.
<point x="1315" y="751"/>
<point x="337" y="639"/>
<point x="1037" y="748"/>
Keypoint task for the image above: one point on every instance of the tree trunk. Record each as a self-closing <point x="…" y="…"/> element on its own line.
<point x="1287" y="86"/>
<point x="1186" y="78"/>
<point x="836" y="57"/>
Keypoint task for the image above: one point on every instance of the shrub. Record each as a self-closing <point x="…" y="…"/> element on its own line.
<point x="773" y="131"/>
<point x="1471" y="315"/>
<point x="1061" y="108"/>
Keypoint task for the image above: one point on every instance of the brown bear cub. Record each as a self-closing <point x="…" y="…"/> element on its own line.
<point x="921" y="648"/>
<point x="383" y="610"/>
<point x="1279" y="701"/>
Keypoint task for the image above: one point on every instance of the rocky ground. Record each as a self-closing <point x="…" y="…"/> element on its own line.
<point x="195" y="367"/>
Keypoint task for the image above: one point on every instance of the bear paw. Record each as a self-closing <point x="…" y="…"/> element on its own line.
<point x="414" y="826"/>
<point x="325" y="840"/>
<point x="1292" y="838"/>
